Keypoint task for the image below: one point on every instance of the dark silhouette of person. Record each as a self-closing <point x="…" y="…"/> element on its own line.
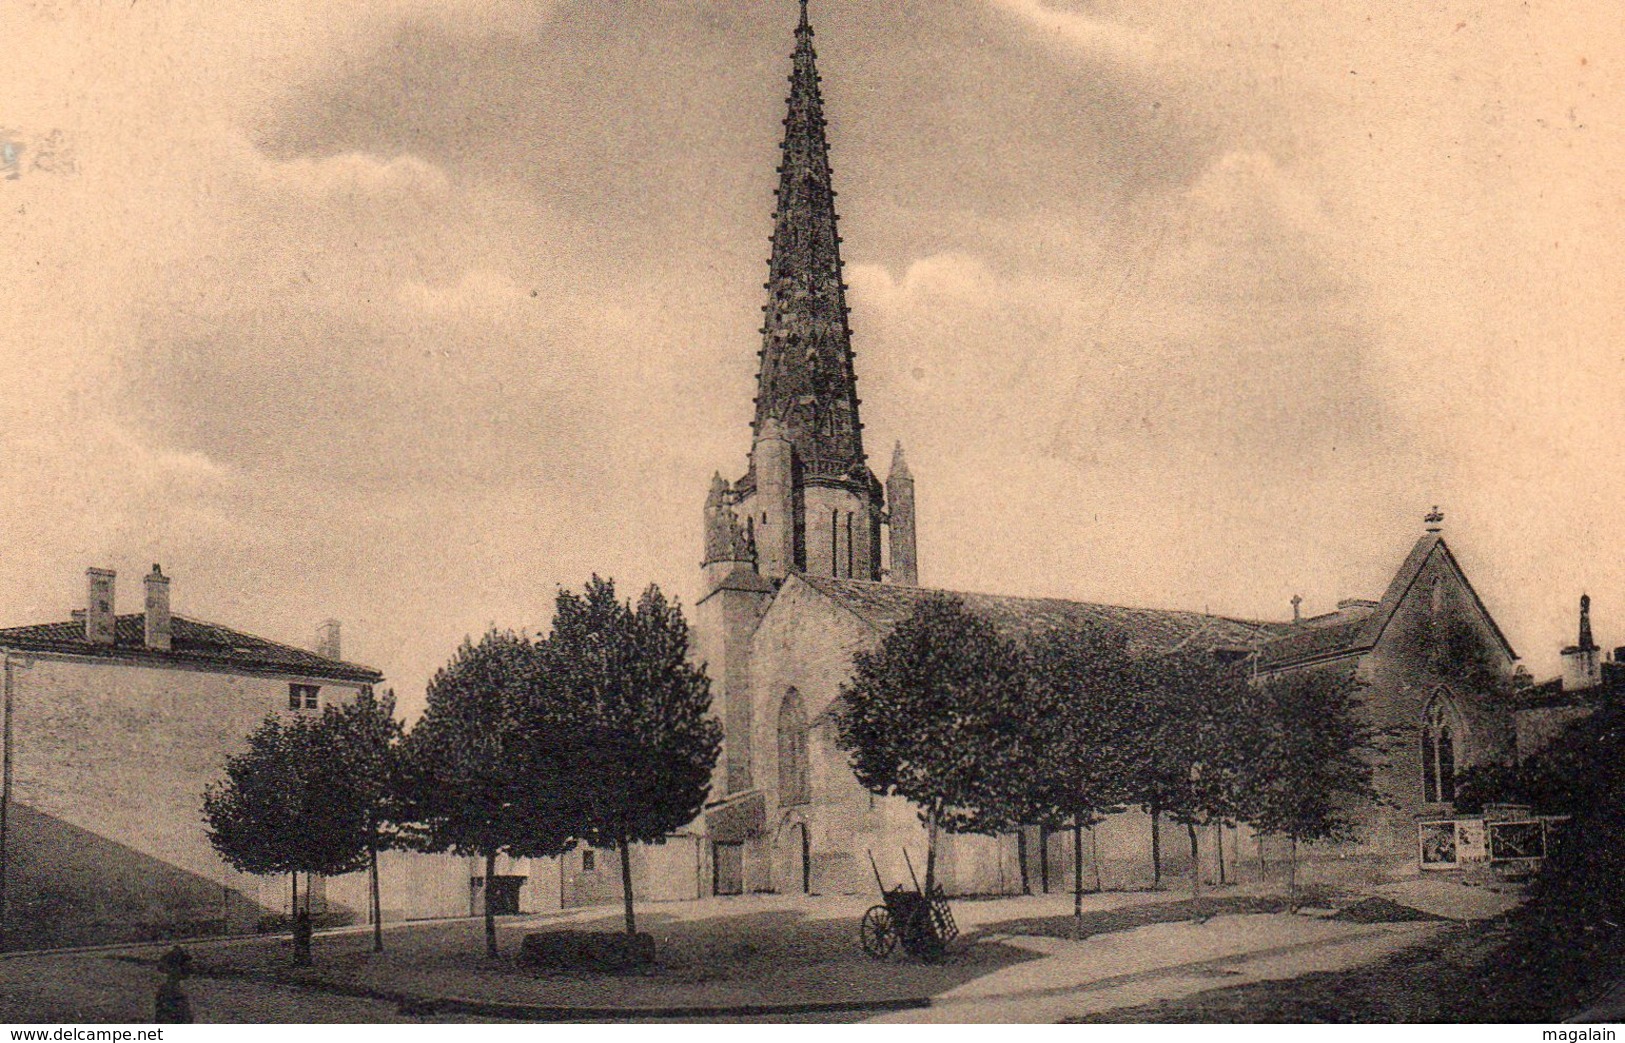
<point x="303" y="930"/>
<point x="171" y="1007"/>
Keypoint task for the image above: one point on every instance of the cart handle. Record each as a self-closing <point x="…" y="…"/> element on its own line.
<point x="910" y="863"/>
<point x="876" y="868"/>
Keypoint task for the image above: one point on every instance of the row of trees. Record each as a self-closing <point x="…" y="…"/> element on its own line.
<point x="598" y="734"/>
<point x="987" y="735"/>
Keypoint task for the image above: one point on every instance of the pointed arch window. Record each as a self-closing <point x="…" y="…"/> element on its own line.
<point x="795" y="782"/>
<point x="1440" y="737"/>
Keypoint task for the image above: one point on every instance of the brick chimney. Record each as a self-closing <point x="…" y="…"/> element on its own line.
<point x="158" y="627"/>
<point x="327" y="640"/>
<point x="1582" y="668"/>
<point x="99" y="624"/>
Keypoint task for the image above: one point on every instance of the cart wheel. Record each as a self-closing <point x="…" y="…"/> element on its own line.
<point x="877" y="932"/>
<point x="920" y="938"/>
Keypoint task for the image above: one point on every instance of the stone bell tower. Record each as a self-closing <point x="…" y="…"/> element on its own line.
<point x="808" y="502"/>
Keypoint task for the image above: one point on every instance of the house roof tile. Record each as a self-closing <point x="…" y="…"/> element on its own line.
<point x="884" y="605"/>
<point x="193" y="642"/>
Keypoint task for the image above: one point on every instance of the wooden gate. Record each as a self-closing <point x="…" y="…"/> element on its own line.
<point x="727" y="869"/>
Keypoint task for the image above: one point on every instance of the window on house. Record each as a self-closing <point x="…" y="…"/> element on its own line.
<point x="303" y="696"/>
<point x="795" y="783"/>
<point x="851" y="564"/>
<point x="589" y="861"/>
<point x="1438" y="753"/>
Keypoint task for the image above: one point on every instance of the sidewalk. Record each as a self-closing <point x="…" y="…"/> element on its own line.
<point x="1162" y="961"/>
<point x="1442" y="896"/>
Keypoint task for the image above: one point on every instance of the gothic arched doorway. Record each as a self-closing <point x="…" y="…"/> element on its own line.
<point x="792" y="859"/>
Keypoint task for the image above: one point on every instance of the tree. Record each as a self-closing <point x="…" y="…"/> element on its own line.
<point x="933" y="715"/>
<point x="1554" y="781"/>
<point x="1567" y="943"/>
<point x="1313" y="764"/>
<point x="1075" y="729"/>
<point x="365" y="735"/>
<point x="1220" y="742"/>
<point x="287" y="805"/>
<point x="482" y="769"/>
<point x="641" y="744"/>
<point x="1187" y="744"/>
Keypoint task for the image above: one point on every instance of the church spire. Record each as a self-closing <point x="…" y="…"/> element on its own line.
<point x="806" y="380"/>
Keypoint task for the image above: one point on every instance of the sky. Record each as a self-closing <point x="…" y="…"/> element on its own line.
<point x="408" y="312"/>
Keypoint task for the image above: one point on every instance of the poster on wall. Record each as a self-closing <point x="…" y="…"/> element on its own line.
<point x="1516" y="840"/>
<point x="1472" y="842"/>
<point x="1438" y="843"/>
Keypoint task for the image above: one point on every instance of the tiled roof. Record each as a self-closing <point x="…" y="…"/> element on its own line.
<point x="1309" y="642"/>
<point x="1548" y="693"/>
<point x="192" y="642"/>
<point x="1353" y="629"/>
<point x="884" y="605"/>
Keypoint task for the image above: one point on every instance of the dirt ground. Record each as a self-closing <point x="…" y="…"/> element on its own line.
<point x="1133" y="956"/>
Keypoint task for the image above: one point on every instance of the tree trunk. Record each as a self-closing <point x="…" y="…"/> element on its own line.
<point x="1077" y="868"/>
<point x="626" y="885"/>
<point x="1292" y="876"/>
<point x="301" y="926"/>
<point x="931" y="853"/>
<point x="1196" y="860"/>
<point x="1156" y="848"/>
<point x="1262" y="876"/>
<point x="1218" y="836"/>
<point x="1094" y="856"/>
<point x="1043" y="860"/>
<point x="490" y="907"/>
<point x="377" y="901"/>
<point x="1021" y="859"/>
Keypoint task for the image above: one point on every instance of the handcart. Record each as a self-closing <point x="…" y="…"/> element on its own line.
<point x="923" y="924"/>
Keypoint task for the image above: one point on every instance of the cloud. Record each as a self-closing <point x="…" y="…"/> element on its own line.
<point x="1098" y="37"/>
<point x="357" y="174"/>
<point x="1215" y="324"/>
<point x="952" y="276"/>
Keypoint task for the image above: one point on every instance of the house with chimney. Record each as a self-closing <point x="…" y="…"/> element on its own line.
<point x="1588" y="678"/>
<point x="113" y="725"/>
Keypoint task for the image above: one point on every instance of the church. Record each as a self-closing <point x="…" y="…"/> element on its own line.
<point x="810" y="557"/>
